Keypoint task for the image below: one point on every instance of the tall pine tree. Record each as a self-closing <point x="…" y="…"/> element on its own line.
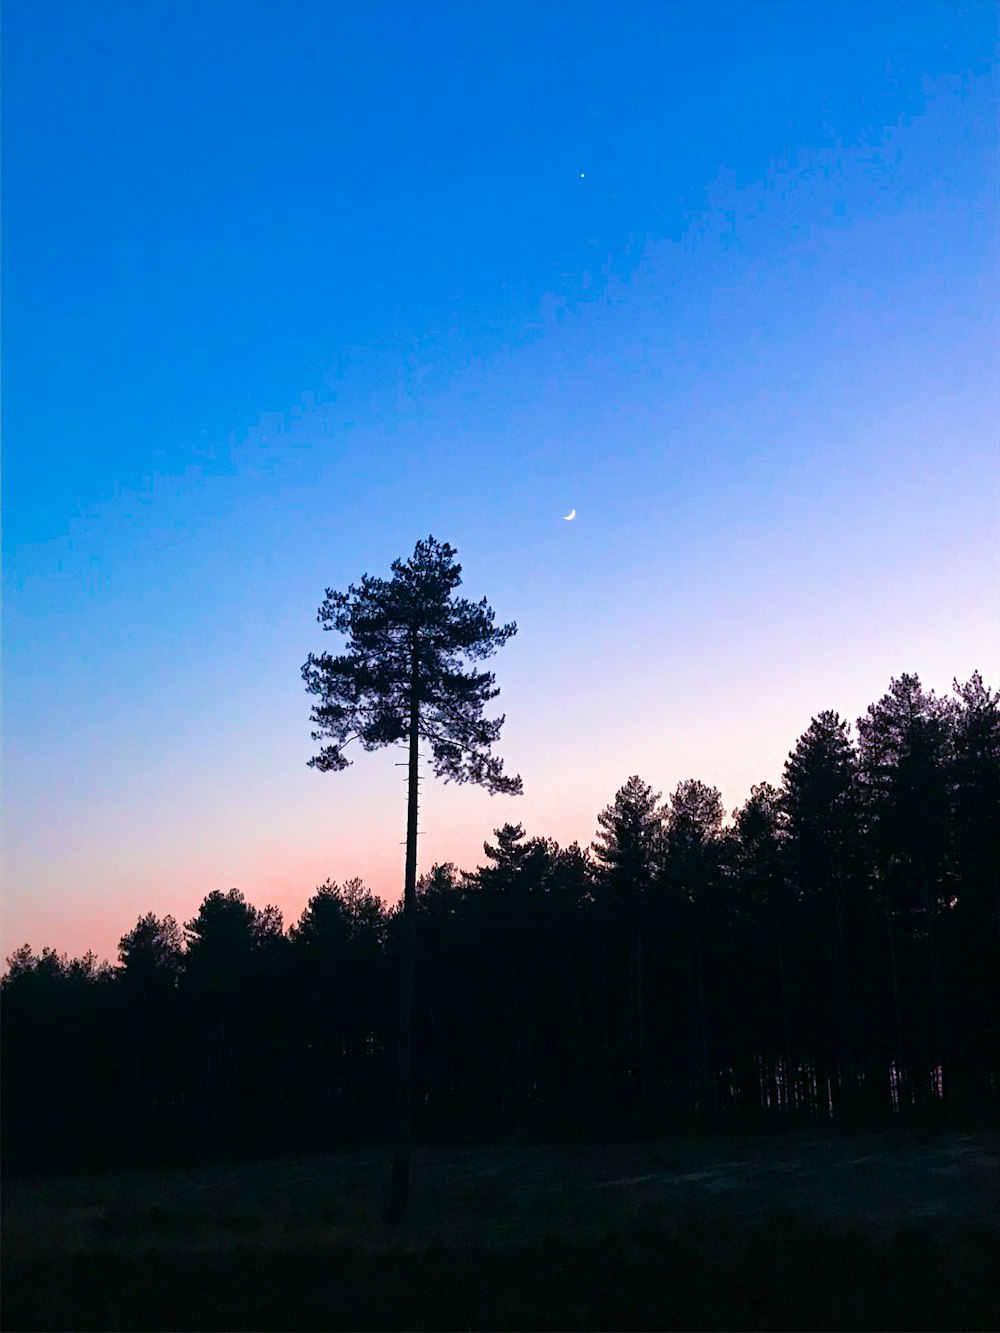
<point x="404" y="678"/>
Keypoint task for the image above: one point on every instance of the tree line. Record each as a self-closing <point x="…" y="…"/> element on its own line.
<point x="829" y="955"/>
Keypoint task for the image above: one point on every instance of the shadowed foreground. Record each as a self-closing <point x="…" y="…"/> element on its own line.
<point x="858" y="1233"/>
<point x="780" y="1276"/>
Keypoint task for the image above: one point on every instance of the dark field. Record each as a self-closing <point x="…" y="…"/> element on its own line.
<point x="735" y="1233"/>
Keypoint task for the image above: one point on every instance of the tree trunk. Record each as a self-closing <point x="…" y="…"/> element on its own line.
<point x="399" y="1185"/>
<point x="943" y="1054"/>
<point x="788" y="1100"/>
<point x="846" y="1071"/>
<point x="897" y="1010"/>
<point x="640" y="1015"/>
<point x="583" y="1086"/>
<point x="706" y="1079"/>
<point x="610" y="1075"/>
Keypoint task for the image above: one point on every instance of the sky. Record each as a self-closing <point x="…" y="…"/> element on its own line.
<point x="289" y="286"/>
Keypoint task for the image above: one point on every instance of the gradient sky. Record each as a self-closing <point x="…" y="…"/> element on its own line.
<point x="290" y="285"/>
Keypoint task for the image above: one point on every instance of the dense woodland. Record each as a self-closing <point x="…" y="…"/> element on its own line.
<point x="830" y="954"/>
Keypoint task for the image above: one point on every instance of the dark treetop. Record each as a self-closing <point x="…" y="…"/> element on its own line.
<point x="407" y="642"/>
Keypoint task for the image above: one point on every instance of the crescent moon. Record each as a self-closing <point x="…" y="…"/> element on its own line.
<point x="571" y="514"/>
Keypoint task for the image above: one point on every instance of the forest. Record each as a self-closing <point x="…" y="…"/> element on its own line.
<point x="828" y="955"/>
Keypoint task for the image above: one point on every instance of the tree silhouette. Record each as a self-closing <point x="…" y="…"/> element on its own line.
<point x="151" y="959"/>
<point x="404" y="678"/>
<point x="629" y="850"/>
<point x="337" y="978"/>
<point x="151" y="954"/>
<point x="792" y="969"/>
<point x="766" y="903"/>
<point x="820" y="798"/>
<point x="693" y="864"/>
<point x="974" y="915"/>
<point x="905" y="746"/>
<point x="230" y="943"/>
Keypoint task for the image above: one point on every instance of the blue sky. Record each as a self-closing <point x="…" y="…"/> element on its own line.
<point x="288" y="286"/>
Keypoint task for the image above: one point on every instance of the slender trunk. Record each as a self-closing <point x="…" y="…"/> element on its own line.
<point x="583" y="1086"/>
<point x="631" y="1039"/>
<point x="640" y="1014"/>
<point x="610" y="1120"/>
<point x="846" y="1073"/>
<point x="943" y="1054"/>
<point x="900" y="1057"/>
<point x="693" y="1092"/>
<point x="705" y="1079"/>
<point x="514" y="1118"/>
<point x="399" y="1186"/>
<point x="786" y="1027"/>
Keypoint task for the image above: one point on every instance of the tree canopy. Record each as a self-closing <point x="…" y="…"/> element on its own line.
<point x="409" y="641"/>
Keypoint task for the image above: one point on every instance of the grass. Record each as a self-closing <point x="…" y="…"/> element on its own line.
<point x="777" y="1276"/>
<point x="739" y="1234"/>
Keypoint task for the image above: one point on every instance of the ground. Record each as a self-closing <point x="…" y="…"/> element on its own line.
<point x="685" y="1233"/>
